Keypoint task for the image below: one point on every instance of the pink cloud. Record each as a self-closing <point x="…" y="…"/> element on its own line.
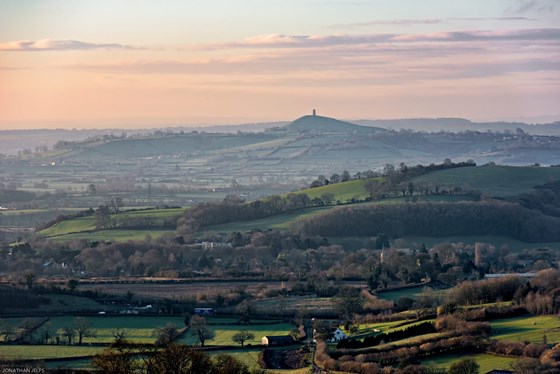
<point x="57" y="45"/>
<point x="314" y="41"/>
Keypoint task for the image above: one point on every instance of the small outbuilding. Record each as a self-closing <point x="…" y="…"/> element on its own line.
<point x="277" y="341"/>
<point x="203" y="311"/>
<point x="337" y="335"/>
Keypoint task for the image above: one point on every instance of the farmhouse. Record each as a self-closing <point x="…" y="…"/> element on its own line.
<point x="277" y="341"/>
<point x="337" y="335"/>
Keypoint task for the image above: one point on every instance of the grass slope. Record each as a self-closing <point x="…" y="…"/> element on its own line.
<point x="137" y="329"/>
<point x="529" y="329"/>
<point x="498" y="181"/>
<point x="487" y="362"/>
<point x="224" y="333"/>
<point x="344" y="191"/>
<point x="36" y="352"/>
<point x="114" y="235"/>
<point x="84" y="227"/>
<point x="277" y="222"/>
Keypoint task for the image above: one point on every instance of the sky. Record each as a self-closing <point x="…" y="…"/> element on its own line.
<point x="149" y="63"/>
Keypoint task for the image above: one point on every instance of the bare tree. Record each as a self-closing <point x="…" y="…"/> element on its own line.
<point x="82" y="326"/>
<point x="102" y="217"/>
<point x="242" y="336"/>
<point x="166" y="335"/>
<point x="68" y="333"/>
<point x="199" y="328"/>
<point x="245" y="310"/>
<point x="116" y="203"/>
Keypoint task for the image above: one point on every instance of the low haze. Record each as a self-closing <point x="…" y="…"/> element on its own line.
<point x="73" y="63"/>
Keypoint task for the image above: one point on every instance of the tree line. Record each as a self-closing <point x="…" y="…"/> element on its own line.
<point x="436" y="219"/>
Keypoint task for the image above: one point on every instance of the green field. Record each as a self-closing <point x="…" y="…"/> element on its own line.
<point x="225" y="332"/>
<point x="137" y="329"/>
<point x="497" y="241"/>
<point x="80" y="224"/>
<point x="84" y="227"/>
<point x="487" y="362"/>
<point x="275" y="306"/>
<point x="23" y="212"/>
<point x="503" y="181"/>
<point x="277" y="222"/>
<point x="14" y="323"/>
<point x="65" y="364"/>
<point x="344" y="191"/>
<point x="380" y="327"/>
<point x="412" y="292"/>
<point x="249" y="357"/>
<point x="113" y="235"/>
<point x="529" y="329"/>
<point x="36" y="352"/>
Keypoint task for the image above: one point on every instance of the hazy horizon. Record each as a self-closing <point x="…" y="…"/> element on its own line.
<point x="102" y="64"/>
<point x="195" y="123"/>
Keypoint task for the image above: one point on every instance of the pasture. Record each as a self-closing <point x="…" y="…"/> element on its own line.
<point x="525" y="328"/>
<point x="137" y="329"/>
<point x="225" y="332"/>
<point x="287" y="306"/>
<point x="344" y="191"/>
<point x="85" y="227"/>
<point x="501" y="181"/>
<point x="411" y="292"/>
<point x="40" y="352"/>
<point x="277" y="222"/>
<point x="180" y="290"/>
<point x="12" y="324"/>
<point x="496" y="241"/>
<point x="113" y="235"/>
<point x="249" y="357"/>
<point x="487" y="362"/>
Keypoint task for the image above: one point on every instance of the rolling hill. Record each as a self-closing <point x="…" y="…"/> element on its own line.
<point x="315" y="123"/>
<point x="501" y="182"/>
<point x="166" y="168"/>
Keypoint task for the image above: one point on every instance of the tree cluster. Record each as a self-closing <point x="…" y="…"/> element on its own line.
<point x="435" y="220"/>
<point x="123" y="357"/>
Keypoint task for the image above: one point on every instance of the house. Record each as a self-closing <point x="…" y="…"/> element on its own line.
<point x="337" y="335"/>
<point x="203" y="311"/>
<point x="277" y="341"/>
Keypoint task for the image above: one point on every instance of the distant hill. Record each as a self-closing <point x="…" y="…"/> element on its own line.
<point x="461" y="124"/>
<point x="273" y="161"/>
<point x="314" y="123"/>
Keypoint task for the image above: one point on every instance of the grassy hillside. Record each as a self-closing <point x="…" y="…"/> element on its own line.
<point x="277" y="222"/>
<point x="327" y="124"/>
<point x="497" y="181"/>
<point x="353" y="189"/>
<point x="526" y="328"/>
<point x="114" y="235"/>
<point x="166" y="145"/>
<point x="85" y="227"/>
<point x="80" y="224"/>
